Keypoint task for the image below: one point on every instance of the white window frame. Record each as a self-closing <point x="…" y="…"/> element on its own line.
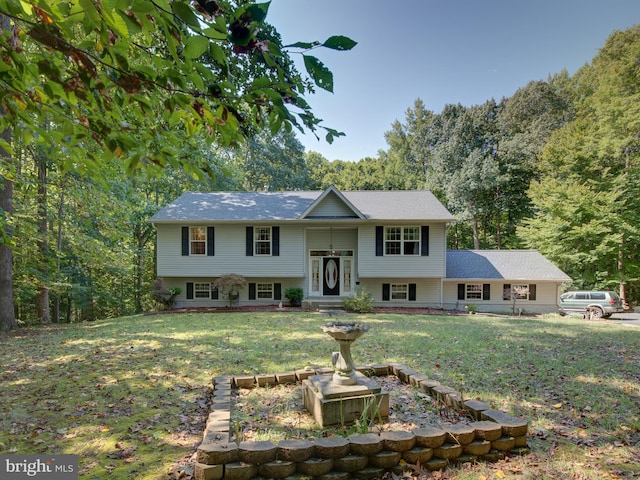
<point x="197" y="237"/>
<point x="346" y="275"/>
<point x="264" y="291"/>
<point x="262" y="238"/>
<point x="200" y="289"/>
<point x="399" y="291"/>
<point x="473" y="291"/>
<point x="315" y="275"/>
<point x="398" y="239"/>
<point x="514" y="290"/>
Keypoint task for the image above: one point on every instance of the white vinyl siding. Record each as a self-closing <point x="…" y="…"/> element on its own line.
<point x="546" y="301"/>
<point x="230" y="254"/>
<point x="331" y="206"/>
<point x="428" y="292"/>
<point x="401" y="266"/>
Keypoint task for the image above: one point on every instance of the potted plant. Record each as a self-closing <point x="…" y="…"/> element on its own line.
<point x="294" y="295"/>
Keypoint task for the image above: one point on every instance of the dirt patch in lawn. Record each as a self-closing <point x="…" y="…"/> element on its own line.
<point x="277" y="413"/>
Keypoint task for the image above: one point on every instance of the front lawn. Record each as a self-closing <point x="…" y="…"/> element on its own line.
<point x="129" y="395"/>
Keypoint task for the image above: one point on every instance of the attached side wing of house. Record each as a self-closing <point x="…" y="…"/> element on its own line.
<point x="502" y="281"/>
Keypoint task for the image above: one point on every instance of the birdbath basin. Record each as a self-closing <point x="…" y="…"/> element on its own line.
<point x="345" y="333"/>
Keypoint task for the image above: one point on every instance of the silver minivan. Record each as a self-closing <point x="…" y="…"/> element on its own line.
<point x="601" y="304"/>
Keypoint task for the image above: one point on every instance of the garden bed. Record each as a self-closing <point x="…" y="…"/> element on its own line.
<point x="228" y="452"/>
<point x="277" y="413"/>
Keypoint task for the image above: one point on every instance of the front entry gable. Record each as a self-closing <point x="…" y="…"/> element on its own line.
<point x="331" y="204"/>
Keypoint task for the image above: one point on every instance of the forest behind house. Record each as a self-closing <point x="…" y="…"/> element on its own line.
<point x="555" y="167"/>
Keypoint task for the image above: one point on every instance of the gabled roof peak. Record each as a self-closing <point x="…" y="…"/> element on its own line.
<point x="348" y="208"/>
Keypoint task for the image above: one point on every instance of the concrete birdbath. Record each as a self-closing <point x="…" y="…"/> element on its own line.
<point x="345" y="333"/>
<point x="347" y="395"/>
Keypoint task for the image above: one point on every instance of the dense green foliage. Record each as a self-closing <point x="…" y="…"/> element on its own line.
<point x="96" y="92"/>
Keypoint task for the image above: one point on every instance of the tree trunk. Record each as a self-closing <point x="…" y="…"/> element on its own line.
<point x="58" y="291"/>
<point x="42" y="299"/>
<point x="476" y="235"/>
<point x="139" y="266"/>
<point x="7" y="313"/>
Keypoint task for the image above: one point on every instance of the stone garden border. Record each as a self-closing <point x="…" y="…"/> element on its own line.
<point x="363" y="456"/>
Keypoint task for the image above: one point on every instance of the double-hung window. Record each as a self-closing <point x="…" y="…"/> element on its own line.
<point x="262" y="240"/>
<point x="198" y="240"/>
<point x="402" y="241"/>
<point x="399" y="291"/>
<point x="201" y="290"/>
<point x="264" y="290"/>
<point x="520" y="292"/>
<point x="473" y="291"/>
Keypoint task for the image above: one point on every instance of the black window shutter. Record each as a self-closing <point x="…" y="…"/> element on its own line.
<point x="249" y="250"/>
<point x="486" y="291"/>
<point x="275" y="241"/>
<point x="252" y="291"/>
<point x="386" y="292"/>
<point x="211" y="244"/>
<point x="215" y="294"/>
<point x="506" y="291"/>
<point x="189" y="290"/>
<point x="185" y="241"/>
<point x="532" y="291"/>
<point x="461" y="291"/>
<point x="277" y="291"/>
<point x="424" y="240"/>
<point x="412" y="292"/>
<point x="379" y="242"/>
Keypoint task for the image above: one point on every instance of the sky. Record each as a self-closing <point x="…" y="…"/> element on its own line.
<point x="441" y="51"/>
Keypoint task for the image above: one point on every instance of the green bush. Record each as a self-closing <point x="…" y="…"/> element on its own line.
<point x="294" y="295"/>
<point x="360" y="302"/>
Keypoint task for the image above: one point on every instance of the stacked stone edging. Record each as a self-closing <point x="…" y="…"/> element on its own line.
<point x="488" y="438"/>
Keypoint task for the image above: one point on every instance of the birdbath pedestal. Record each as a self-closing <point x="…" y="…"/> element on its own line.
<point x="345" y="333"/>
<point x="347" y="395"/>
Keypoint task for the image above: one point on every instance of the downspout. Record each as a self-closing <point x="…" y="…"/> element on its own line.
<point x="446" y="231"/>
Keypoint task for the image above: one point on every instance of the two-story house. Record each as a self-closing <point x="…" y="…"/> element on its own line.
<point x="330" y="243"/>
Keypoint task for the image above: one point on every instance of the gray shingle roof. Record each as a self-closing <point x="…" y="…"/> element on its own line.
<point x="237" y="206"/>
<point x="502" y="264"/>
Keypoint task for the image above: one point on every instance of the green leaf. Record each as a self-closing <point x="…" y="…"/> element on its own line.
<point x="320" y="74"/>
<point x="214" y="34"/>
<point x="194" y="47"/>
<point x="186" y="14"/>
<point x="258" y="12"/>
<point x="305" y="45"/>
<point x="339" y="42"/>
<point x="120" y="25"/>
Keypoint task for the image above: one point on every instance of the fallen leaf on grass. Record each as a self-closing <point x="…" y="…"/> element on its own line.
<point x="123" y="454"/>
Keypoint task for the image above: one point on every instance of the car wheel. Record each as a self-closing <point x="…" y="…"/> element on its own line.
<point x="597" y="313"/>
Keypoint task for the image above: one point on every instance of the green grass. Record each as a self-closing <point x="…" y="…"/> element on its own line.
<point x="128" y="395"/>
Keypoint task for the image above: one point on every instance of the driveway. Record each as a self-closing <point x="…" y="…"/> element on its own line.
<point x="626" y="318"/>
<point x="631" y="318"/>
